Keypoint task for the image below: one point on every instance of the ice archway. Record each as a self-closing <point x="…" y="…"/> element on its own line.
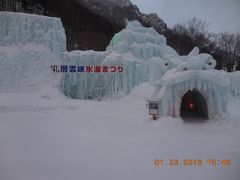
<point x="194" y="106"/>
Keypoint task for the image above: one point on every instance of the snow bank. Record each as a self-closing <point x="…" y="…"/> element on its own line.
<point x="21" y="28"/>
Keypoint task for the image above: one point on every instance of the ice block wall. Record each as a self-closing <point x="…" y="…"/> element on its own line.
<point x="81" y="85"/>
<point x="140" y="51"/>
<point x="84" y="85"/>
<point x="21" y="28"/>
<point x="235" y="83"/>
<point x="29" y="45"/>
<point x="27" y="69"/>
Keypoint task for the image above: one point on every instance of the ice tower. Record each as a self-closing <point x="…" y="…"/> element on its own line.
<point x="142" y="53"/>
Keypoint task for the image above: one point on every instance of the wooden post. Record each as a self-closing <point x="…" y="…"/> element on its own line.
<point x="154" y="117"/>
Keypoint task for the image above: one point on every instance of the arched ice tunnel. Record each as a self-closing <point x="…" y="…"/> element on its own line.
<point x="194" y="107"/>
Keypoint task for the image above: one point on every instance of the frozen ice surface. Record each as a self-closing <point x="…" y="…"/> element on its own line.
<point x="21" y="28"/>
<point x="140" y="51"/>
<point x="27" y="69"/>
<point x="157" y="67"/>
<point x="81" y="85"/>
<point x="235" y="83"/>
<point x="142" y="42"/>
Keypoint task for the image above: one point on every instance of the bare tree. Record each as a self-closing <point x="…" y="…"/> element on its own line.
<point x="196" y="26"/>
<point x="190" y="34"/>
<point x="230" y="45"/>
<point x="198" y="31"/>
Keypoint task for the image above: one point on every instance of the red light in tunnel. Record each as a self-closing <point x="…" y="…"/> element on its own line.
<point x="190" y="105"/>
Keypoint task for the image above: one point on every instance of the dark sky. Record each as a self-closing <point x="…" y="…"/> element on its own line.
<point x="223" y="15"/>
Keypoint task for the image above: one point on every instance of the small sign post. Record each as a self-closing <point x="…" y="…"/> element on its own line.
<point x="153" y="107"/>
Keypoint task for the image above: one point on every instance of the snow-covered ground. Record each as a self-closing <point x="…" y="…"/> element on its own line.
<point x="46" y="136"/>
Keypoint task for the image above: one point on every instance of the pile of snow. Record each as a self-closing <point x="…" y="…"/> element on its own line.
<point x="21" y="28"/>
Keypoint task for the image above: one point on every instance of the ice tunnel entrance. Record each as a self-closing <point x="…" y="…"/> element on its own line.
<point x="194" y="107"/>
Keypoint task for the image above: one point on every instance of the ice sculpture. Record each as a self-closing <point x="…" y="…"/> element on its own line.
<point x="140" y="51"/>
<point x="21" y="28"/>
<point x="82" y="85"/>
<point x="193" y="74"/>
<point x="30" y="44"/>
<point x="27" y="69"/>
<point x="213" y="85"/>
<point x="235" y="83"/>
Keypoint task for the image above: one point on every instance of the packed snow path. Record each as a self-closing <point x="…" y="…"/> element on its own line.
<point x="46" y="137"/>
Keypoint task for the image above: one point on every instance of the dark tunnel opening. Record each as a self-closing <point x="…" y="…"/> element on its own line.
<point x="194" y="107"/>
